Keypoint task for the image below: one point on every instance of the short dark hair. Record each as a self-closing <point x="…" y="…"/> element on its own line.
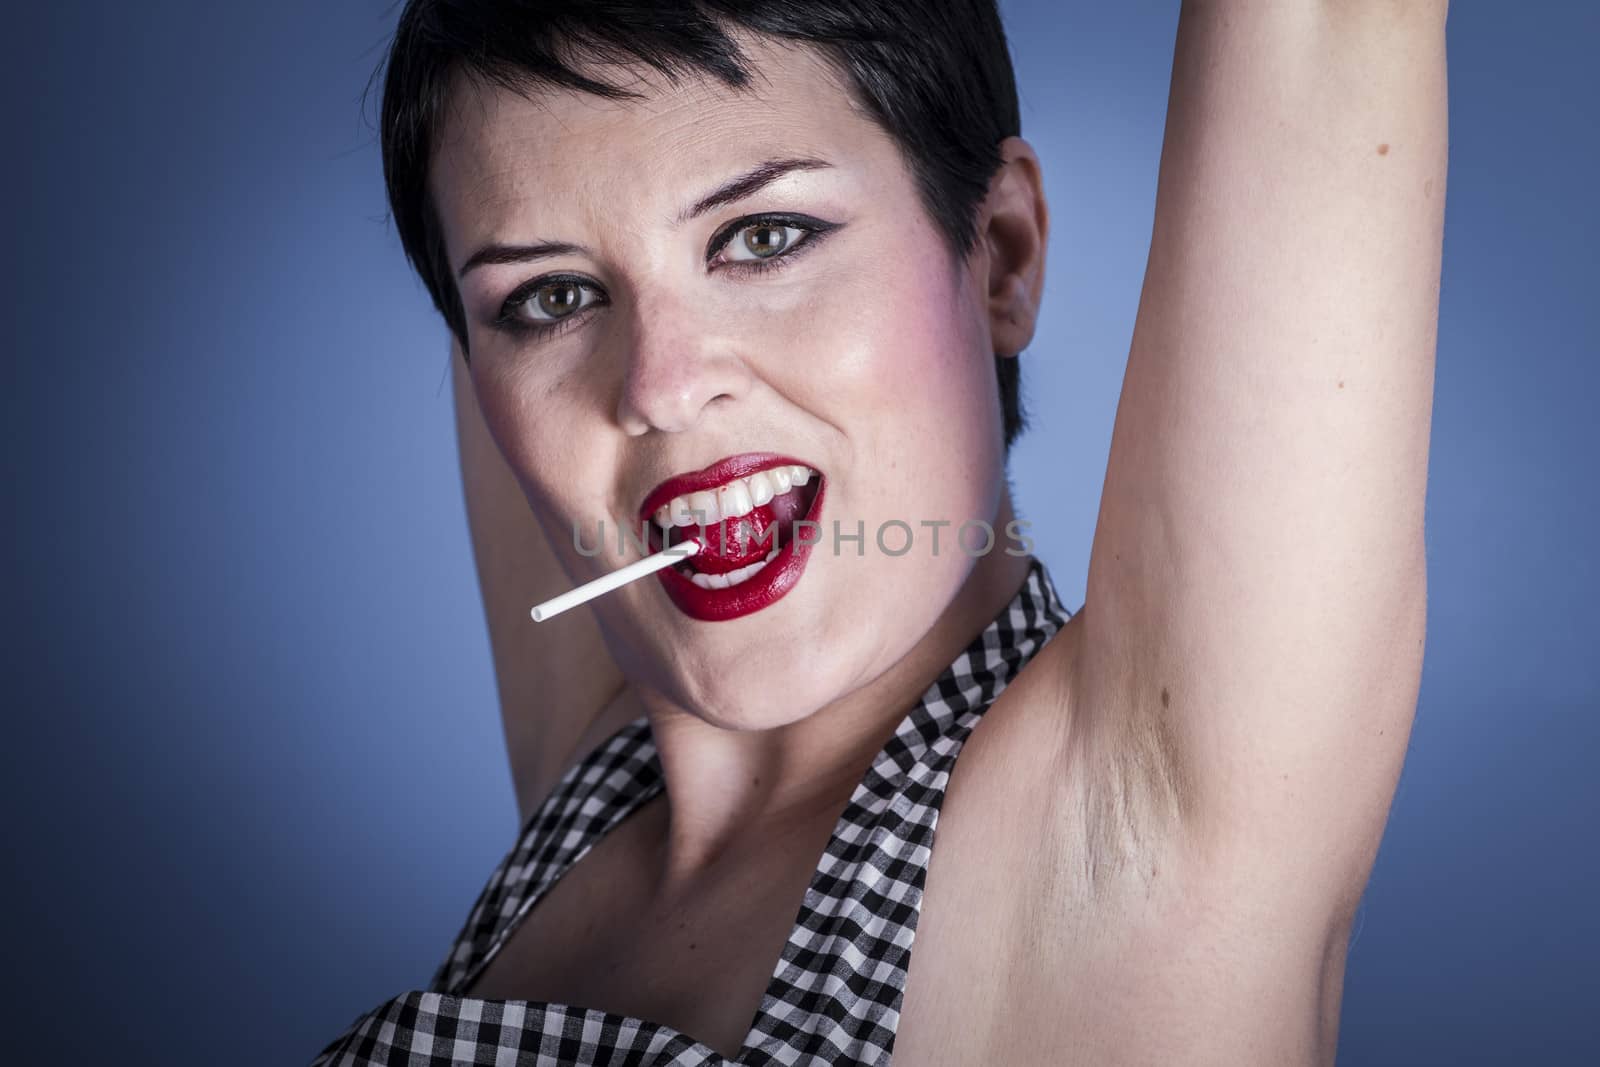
<point x="936" y="75"/>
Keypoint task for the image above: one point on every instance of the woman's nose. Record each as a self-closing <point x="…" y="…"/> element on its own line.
<point x="674" y="371"/>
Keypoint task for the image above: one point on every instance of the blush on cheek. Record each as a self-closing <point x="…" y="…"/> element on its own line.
<point x="936" y="374"/>
<point x="932" y="445"/>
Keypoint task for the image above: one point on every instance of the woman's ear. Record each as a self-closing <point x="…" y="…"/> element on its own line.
<point x="1014" y="231"/>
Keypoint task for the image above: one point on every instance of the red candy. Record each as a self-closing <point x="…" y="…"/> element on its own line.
<point x="735" y="543"/>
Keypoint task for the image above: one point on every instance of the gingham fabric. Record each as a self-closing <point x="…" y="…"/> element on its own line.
<point x="835" y="994"/>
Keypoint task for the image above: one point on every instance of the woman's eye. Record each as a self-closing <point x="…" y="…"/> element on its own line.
<point x="549" y="302"/>
<point x="763" y="240"/>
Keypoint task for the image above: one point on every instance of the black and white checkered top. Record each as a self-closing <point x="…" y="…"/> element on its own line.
<point x="835" y="993"/>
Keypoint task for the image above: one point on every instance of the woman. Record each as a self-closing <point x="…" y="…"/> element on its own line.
<point x="776" y="262"/>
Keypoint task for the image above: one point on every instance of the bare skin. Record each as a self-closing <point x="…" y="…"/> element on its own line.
<point x="1152" y="846"/>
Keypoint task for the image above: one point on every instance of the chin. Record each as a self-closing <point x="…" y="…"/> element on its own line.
<point x="762" y="692"/>
<point x="832" y="635"/>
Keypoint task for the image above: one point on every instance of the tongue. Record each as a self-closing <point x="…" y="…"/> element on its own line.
<point x="735" y="543"/>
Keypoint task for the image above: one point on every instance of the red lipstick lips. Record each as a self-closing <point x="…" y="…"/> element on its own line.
<point x="737" y="543"/>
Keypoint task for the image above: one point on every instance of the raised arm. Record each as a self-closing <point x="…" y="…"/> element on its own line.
<point x="1255" y="609"/>
<point x="558" y="685"/>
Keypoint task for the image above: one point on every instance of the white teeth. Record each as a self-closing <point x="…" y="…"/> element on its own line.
<point x="723" y="581"/>
<point x="738" y="497"/>
<point x="734" y="499"/>
<point x="761" y="490"/>
<point x="704" y="507"/>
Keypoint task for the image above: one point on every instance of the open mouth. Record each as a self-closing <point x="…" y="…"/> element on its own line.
<point x="756" y="520"/>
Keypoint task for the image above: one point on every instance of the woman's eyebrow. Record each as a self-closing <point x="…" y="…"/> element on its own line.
<point x="758" y="177"/>
<point x="496" y="254"/>
<point x="753" y="180"/>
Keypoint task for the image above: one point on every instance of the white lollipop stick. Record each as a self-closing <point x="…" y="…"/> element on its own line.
<point x="615" y="580"/>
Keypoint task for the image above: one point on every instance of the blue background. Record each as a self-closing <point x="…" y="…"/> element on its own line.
<point x="256" y="774"/>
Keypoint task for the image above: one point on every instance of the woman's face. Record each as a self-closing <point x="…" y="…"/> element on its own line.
<point x="652" y="338"/>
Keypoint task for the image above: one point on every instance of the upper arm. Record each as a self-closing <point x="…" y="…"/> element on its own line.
<point x="555" y="678"/>
<point x="1256" y="595"/>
